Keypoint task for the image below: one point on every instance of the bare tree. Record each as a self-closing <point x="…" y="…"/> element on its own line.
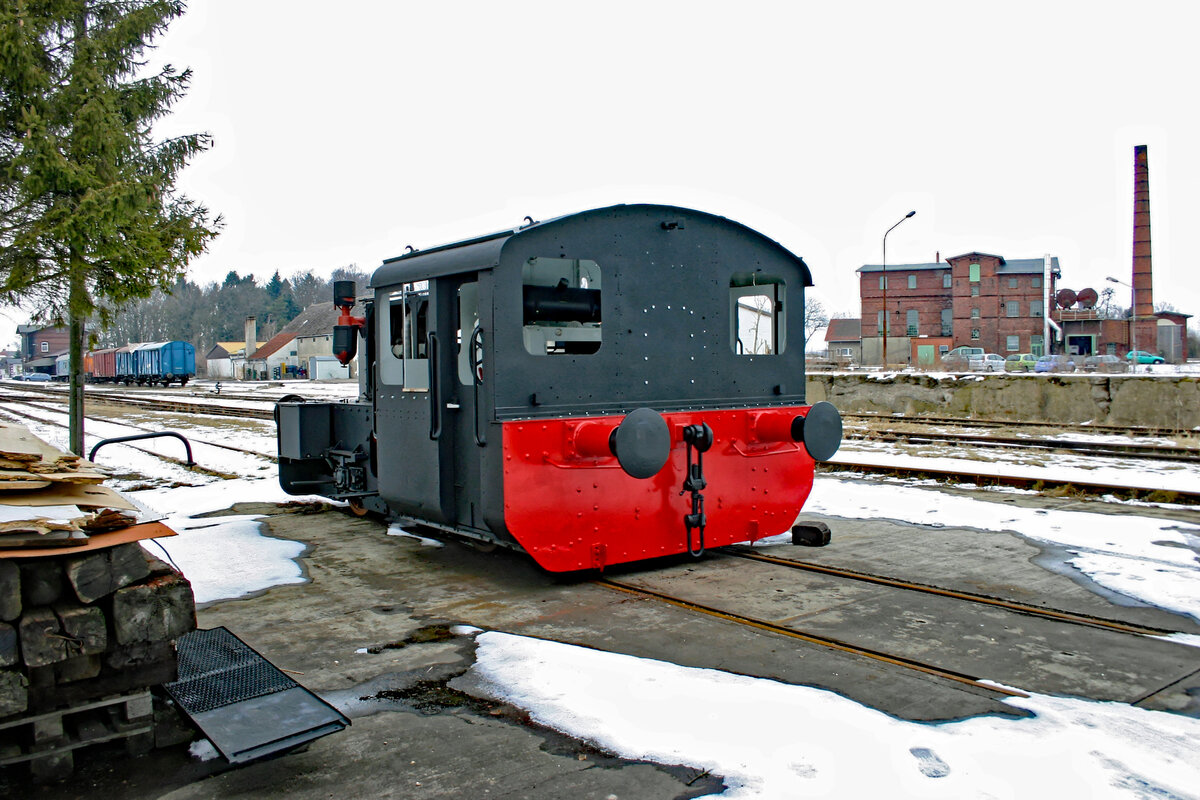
<point x="815" y="318"/>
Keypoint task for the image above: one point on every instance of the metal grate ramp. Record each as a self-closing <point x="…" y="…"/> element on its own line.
<point x="244" y="705"/>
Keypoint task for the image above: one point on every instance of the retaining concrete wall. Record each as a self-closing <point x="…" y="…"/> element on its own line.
<point x="1155" y="401"/>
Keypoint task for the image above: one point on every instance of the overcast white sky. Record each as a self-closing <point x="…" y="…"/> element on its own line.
<point x="344" y="132"/>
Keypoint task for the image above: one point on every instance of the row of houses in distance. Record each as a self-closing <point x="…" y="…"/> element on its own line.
<point x="302" y="349"/>
<point x="1002" y="305"/>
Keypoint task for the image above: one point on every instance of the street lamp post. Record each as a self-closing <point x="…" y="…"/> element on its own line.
<point x="1133" y="362"/>
<point x="885" y="305"/>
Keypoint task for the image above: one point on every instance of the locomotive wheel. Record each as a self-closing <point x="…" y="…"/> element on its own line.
<point x="357" y="508"/>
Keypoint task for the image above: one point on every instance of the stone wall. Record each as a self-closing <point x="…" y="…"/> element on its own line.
<point x="1134" y="400"/>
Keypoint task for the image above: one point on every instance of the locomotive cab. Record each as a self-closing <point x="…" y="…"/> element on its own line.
<point x="604" y="387"/>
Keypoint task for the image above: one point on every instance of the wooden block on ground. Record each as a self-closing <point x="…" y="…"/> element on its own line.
<point x="10" y="590"/>
<point x="84" y="626"/>
<point x="14" y="692"/>
<point x="109" y="682"/>
<point x="139" y="654"/>
<point x="10" y="652"/>
<point x="78" y="668"/>
<point x="101" y="572"/>
<point x="160" y="609"/>
<point x="41" y="581"/>
<point x="42" y="641"/>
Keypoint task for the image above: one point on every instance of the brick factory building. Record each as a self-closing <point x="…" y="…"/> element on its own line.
<point x="1014" y="306"/>
<point x="975" y="299"/>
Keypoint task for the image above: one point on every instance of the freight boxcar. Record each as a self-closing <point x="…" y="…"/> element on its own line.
<point x="103" y="366"/>
<point x="164" y="363"/>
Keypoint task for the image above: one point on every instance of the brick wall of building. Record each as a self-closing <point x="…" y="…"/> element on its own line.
<point x="979" y="309"/>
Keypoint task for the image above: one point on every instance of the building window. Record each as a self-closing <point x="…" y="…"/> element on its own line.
<point x="974" y="290"/>
<point x="1012" y="282"/>
<point x="757" y="302"/>
<point x="1013" y="343"/>
<point x="562" y="306"/>
<point x="1035" y="308"/>
<point x="945" y="280"/>
<point x="947" y="322"/>
<point x="912" y="281"/>
<point x="879" y="324"/>
<point x="1012" y="309"/>
<point x="974" y="333"/>
<point x="45" y="347"/>
<point x="943" y="349"/>
<point x="912" y="321"/>
<point x="974" y="313"/>
<point x="1036" y="281"/>
<point x="883" y="281"/>
<point x="1111" y="348"/>
<point x="974" y="273"/>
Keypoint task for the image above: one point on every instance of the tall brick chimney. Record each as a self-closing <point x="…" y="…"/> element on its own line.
<point x="251" y="336"/>
<point x="1143" y="278"/>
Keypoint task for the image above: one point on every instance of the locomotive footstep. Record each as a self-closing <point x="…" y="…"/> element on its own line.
<point x="811" y="534"/>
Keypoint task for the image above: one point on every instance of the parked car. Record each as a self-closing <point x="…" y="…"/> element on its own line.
<point x="1143" y="357"/>
<point x="37" y="376"/>
<point x="1104" y="363"/>
<point x="1020" y="362"/>
<point x="1057" y="363"/>
<point x="992" y="362"/>
<point x="963" y="358"/>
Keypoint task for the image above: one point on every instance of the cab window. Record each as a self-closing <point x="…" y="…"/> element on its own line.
<point x="756" y="321"/>
<point x="404" y="360"/>
<point x="561" y="306"/>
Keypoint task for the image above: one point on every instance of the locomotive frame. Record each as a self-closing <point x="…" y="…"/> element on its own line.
<point x="604" y="387"/>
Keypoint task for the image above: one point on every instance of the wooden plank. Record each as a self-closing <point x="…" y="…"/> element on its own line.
<point x="17" y="483"/>
<point x="66" y="494"/>
<point x="18" y="444"/>
<point x="134" y="533"/>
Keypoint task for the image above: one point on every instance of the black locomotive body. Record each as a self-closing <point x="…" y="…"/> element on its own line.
<point x="604" y="387"/>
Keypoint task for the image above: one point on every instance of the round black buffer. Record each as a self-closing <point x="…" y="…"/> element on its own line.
<point x="820" y="430"/>
<point x="641" y="443"/>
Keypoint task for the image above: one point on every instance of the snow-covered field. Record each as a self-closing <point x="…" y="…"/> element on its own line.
<point x="769" y="740"/>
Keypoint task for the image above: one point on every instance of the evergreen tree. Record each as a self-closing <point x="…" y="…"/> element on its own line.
<point x="90" y="218"/>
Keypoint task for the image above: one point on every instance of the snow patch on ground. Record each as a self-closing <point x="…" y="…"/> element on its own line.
<point x="229" y="556"/>
<point x="772" y="740"/>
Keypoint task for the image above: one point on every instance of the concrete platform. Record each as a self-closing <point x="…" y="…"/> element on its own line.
<point x="420" y="730"/>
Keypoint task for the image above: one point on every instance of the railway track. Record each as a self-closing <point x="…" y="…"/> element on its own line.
<point x="1042" y="483"/>
<point x="1101" y="449"/>
<point x="14" y="413"/>
<point x="1117" y="430"/>
<point x="994" y="633"/>
<point x="133" y="401"/>
<point x="844" y="462"/>
<point x="812" y="638"/>
<point x="958" y="594"/>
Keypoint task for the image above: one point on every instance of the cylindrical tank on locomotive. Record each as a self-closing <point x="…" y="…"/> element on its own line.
<point x="604" y="387"/>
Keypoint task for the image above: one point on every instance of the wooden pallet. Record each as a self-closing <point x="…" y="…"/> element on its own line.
<point x="47" y="741"/>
